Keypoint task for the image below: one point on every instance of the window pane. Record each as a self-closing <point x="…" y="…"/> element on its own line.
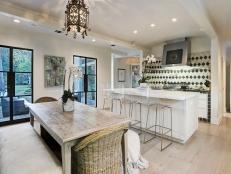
<point x="91" y="66"/>
<point x="22" y="60"/>
<point x="19" y="107"/>
<point x="23" y="84"/>
<point x="91" y="98"/>
<point x="80" y="97"/>
<point x="79" y="85"/>
<point x="80" y="62"/>
<point x="91" y="83"/>
<point x="3" y="84"/>
<point x="4" y="59"/>
<point x="4" y="109"/>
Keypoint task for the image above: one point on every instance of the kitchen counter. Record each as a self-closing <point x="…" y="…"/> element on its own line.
<point x="149" y="93"/>
<point x="184" y="108"/>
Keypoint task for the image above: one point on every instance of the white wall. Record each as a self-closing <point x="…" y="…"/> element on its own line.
<point x="46" y="44"/>
<point x="217" y="82"/>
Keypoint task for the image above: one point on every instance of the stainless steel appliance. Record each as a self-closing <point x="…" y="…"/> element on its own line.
<point x="176" y="53"/>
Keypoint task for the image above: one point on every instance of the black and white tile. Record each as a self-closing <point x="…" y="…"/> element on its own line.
<point x="194" y="78"/>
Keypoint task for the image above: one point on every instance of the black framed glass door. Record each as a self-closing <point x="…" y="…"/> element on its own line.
<point x="85" y="89"/>
<point x="16" y="84"/>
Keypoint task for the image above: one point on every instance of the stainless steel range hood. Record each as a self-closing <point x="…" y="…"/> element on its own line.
<point x="176" y="53"/>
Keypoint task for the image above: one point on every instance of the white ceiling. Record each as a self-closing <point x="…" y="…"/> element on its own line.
<point x="118" y="18"/>
<point x="219" y="12"/>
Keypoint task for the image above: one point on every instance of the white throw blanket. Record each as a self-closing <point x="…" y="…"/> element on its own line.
<point x="135" y="160"/>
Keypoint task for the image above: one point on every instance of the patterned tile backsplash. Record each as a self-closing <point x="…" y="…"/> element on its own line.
<point x="194" y="77"/>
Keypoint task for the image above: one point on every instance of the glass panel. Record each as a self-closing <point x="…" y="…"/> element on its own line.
<point x="91" y="83"/>
<point x="4" y="59"/>
<point x="91" y="98"/>
<point x="79" y="85"/>
<point x="23" y="84"/>
<point x="80" y="62"/>
<point x="80" y="97"/>
<point x="135" y="75"/>
<point x="4" y="109"/>
<point x="20" y="110"/>
<point x="3" y="84"/>
<point x="22" y="60"/>
<point x="91" y="66"/>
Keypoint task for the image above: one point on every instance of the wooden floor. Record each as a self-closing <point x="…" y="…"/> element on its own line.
<point x="207" y="152"/>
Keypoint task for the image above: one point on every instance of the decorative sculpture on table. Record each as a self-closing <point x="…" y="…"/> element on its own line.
<point x="73" y="73"/>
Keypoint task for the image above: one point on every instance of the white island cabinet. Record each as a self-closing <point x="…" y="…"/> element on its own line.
<point x="184" y="107"/>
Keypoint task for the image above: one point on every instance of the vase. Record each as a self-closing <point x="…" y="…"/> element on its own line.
<point x="143" y="85"/>
<point x="68" y="106"/>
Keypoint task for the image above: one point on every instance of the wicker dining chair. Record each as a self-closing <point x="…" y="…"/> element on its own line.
<point x="45" y="99"/>
<point x="99" y="153"/>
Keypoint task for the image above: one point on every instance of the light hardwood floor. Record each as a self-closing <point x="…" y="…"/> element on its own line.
<point x="207" y="152"/>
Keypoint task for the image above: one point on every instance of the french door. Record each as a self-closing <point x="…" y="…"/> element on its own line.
<point x="85" y="89"/>
<point x="16" y="84"/>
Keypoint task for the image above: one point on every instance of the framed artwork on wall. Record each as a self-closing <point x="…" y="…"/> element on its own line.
<point x="54" y="70"/>
<point x="121" y="75"/>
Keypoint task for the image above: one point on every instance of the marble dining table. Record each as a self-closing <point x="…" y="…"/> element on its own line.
<point x="68" y="127"/>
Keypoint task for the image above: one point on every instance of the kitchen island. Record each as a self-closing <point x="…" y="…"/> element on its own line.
<point x="183" y="104"/>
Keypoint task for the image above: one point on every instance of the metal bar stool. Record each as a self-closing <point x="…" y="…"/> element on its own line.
<point x="135" y="121"/>
<point x="116" y="98"/>
<point x="163" y="130"/>
<point x="149" y="105"/>
<point x="129" y="102"/>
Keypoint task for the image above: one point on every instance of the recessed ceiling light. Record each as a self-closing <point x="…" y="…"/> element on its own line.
<point x="93" y="40"/>
<point x="135" y="31"/>
<point x="152" y="25"/>
<point x="17" y="21"/>
<point x="174" y="19"/>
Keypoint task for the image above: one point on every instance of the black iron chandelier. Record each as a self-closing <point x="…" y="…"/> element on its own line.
<point x="76" y="18"/>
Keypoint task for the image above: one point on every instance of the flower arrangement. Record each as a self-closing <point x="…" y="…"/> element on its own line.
<point x="73" y="72"/>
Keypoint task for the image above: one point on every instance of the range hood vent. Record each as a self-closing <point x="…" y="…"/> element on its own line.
<point x="176" y="53"/>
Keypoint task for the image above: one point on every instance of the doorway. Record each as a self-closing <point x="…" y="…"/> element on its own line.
<point x="85" y="89"/>
<point x="16" y="84"/>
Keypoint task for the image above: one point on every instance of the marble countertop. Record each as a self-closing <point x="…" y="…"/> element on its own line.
<point x="161" y="94"/>
<point x="67" y="126"/>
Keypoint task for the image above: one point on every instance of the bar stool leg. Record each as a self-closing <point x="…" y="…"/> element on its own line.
<point x="112" y="105"/>
<point x="162" y="127"/>
<point x="162" y="131"/>
<point x="156" y="119"/>
<point x="104" y="103"/>
<point x="171" y="122"/>
<point x="121" y="105"/>
<point x="141" y="130"/>
<point x="130" y="110"/>
<point x="146" y="125"/>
